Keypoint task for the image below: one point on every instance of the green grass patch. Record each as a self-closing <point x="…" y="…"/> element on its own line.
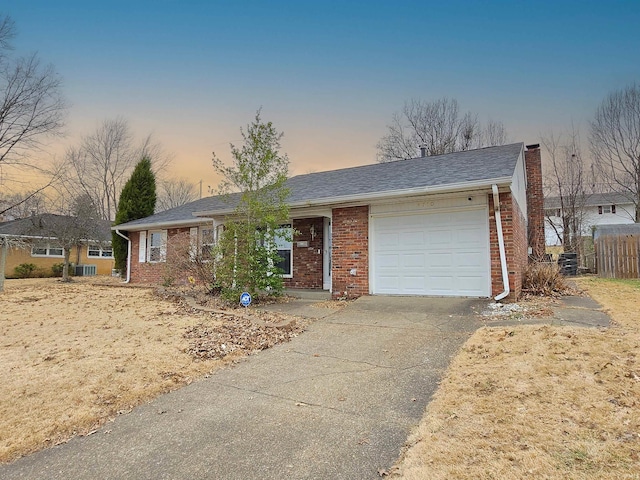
<point x="629" y="282"/>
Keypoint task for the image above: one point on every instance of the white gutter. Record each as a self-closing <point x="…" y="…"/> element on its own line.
<point x="161" y="225"/>
<point x="128" y="255"/>
<point x="503" y="256"/>
<point x="456" y="187"/>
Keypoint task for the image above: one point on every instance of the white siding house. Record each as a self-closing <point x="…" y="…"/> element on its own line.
<point x="598" y="209"/>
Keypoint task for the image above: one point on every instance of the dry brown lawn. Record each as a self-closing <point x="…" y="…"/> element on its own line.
<point x="539" y="401"/>
<point x="74" y="355"/>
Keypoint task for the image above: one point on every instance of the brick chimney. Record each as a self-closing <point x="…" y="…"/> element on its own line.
<point x="535" y="201"/>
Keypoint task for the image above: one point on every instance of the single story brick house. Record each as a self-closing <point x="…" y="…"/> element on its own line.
<point x="422" y="226"/>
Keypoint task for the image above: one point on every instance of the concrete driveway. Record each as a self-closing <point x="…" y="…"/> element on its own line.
<point x="337" y="402"/>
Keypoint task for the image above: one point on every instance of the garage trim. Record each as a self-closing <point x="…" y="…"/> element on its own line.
<point x="435" y="206"/>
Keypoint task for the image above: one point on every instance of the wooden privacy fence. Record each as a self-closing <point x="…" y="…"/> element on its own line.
<point x="617" y="251"/>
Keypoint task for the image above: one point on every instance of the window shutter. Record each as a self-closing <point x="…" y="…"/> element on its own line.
<point x="142" y="248"/>
<point x="193" y="243"/>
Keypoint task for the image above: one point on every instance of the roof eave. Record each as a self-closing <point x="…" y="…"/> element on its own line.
<point x="146" y="226"/>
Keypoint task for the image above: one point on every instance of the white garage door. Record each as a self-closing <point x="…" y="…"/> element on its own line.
<point x="443" y="254"/>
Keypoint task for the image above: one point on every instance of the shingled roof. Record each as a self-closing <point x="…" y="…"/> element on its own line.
<point x="39" y="226"/>
<point x="593" y="200"/>
<point x="460" y="169"/>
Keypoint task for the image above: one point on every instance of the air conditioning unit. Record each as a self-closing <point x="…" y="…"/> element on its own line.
<point x="86" y="270"/>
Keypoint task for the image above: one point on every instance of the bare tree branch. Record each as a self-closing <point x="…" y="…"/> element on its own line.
<point x="569" y="180"/>
<point x="100" y="166"/>
<point x="615" y="143"/>
<point x="173" y="193"/>
<point x="439" y="128"/>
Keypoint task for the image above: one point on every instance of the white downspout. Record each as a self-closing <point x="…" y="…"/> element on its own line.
<point x="128" y="256"/>
<point x="503" y="256"/>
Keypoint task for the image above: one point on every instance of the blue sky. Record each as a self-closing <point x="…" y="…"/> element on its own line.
<point x="328" y="74"/>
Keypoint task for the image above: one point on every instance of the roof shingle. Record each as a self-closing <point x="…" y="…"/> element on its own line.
<point x="484" y="164"/>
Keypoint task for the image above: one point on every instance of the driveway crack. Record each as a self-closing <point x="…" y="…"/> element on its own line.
<point x="297" y="402"/>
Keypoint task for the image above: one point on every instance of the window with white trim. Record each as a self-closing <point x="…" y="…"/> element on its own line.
<point x="96" y="251"/>
<point x="157" y="246"/>
<point x="284" y="244"/>
<point x="47" y="251"/>
<point x="207" y="241"/>
<point x="606" y="209"/>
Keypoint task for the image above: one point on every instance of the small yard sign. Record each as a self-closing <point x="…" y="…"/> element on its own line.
<point x="245" y="299"/>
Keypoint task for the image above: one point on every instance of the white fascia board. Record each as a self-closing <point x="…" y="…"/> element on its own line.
<point x="359" y="199"/>
<point x="161" y="225"/>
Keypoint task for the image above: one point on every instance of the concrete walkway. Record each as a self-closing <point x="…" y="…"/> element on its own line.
<point x="337" y="402"/>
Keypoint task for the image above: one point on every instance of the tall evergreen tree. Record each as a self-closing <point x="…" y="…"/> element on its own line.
<point x="137" y="200"/>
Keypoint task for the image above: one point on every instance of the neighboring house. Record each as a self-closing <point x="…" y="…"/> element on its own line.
<point x="423" y="226"/>
<point x="596" y="209"/>
<point x="30" y="241"/>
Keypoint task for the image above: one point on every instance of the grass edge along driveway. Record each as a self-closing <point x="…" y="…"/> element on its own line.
<point x="539" y="401"/>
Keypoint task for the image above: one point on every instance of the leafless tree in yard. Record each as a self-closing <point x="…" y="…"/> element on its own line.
<point x="568" y="179"/>
<point x="615" y="143"/>
<point x="32" y="110"/>
<point x="104" y="160"/>
<point x="78" y="224"/>
<point x="437" y="126"/>
<point x="175" y="192"/>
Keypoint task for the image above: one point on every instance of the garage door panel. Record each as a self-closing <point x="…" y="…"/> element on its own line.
<point x="444" y="254"/>
<point x="414" y="285"/>
<point x="389" y="260"/>
<point x="441" y="259"/>
<point x="390" y="284"/>
<point x="470" y="260"/>
<point x="409" y="238"/>
<point x="414" y="260"/>
<point x="440" y="237"/>
<point x="388" y="240"/>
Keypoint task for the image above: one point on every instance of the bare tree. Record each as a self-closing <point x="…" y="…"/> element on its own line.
<point x="615" y="143"/>
<point x="439" y="127"/>
<point x="494" y="133"/>
<point x="22" y="205"/>
<point x="103" y="162"/>
<point x="569" y="180"/>
<point x="32" y="108"/>
<point x="79" y="224"/>
<point x="175" y="192"/>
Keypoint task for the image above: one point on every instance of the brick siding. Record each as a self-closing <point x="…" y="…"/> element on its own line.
<point x="515" y="243"/>
<point x="153" y="273"/>
<point x="307" y="261"/>
<point x="535" y="201"/>
<point x="350" y="251"/>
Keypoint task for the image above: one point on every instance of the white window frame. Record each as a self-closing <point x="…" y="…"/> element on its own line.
<point x="100" y="250"/>
<point x="47" y="250"/>
<point x="289" y="244"/>
<point x="202" y="238"/>
<point x="162" y="248"/>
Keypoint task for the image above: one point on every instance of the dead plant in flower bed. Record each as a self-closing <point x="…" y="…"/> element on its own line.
<point x="545" y="279"/>
<point x="240" y="334"/>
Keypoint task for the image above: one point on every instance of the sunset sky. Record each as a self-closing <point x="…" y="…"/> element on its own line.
<point x="329" y="74"/>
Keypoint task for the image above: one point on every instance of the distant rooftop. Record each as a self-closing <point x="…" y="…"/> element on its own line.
<point x="593" y="200"/>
